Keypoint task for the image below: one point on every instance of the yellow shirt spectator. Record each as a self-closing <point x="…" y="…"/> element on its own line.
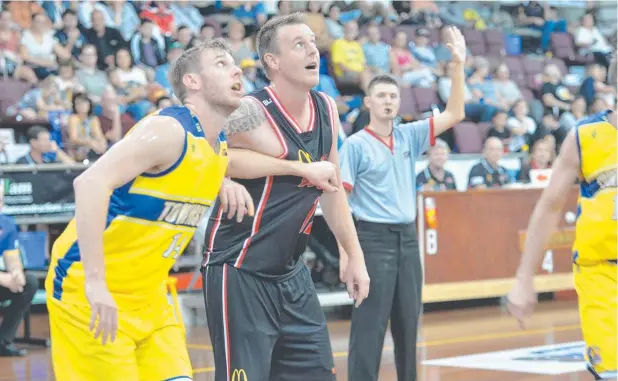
<point x="349" y="54"/>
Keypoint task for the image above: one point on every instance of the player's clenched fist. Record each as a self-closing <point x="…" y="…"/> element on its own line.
<point x="104" y="312"/>
<point x="322" y="174"/>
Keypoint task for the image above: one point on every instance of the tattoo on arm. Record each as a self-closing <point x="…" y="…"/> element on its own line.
<point x="247" y="117"/>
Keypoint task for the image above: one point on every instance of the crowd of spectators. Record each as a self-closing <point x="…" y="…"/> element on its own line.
<point x="92" y="69"/>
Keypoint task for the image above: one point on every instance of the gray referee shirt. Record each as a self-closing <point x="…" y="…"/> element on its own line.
<point x="381" y="177"/>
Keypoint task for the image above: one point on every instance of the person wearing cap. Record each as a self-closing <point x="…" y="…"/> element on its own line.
<point x="251" y="81"/>
<point x="422" y="51"/>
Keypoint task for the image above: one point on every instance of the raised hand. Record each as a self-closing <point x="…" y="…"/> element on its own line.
<point x="456" y="43"/>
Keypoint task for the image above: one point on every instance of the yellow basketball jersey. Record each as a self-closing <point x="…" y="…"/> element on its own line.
<point x="595" y="232"/>
<point x="150" y="221"/>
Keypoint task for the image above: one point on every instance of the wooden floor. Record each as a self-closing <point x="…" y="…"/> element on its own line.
<point x="443" y="334"/>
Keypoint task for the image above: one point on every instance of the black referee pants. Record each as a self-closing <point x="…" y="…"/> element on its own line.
<point x="394" y="266"/>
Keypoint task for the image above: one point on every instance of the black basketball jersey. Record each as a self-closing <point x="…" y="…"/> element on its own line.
<point x="271" y="243"/>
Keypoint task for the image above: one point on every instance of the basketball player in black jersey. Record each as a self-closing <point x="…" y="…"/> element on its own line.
<point x="263" y="313"/>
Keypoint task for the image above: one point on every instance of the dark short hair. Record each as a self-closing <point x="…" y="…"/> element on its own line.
<point x="190" y="62"/>
<point x="83" y="97"/>
<point x="34" y="132"/>
<point x="382" y="78"/>
<point x="267" y="36"/>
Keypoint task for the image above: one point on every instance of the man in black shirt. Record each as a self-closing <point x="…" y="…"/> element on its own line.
<point x="107" y="40"/>
<point x="43" y="150"/>
<point x="435" y="177"/>
<point x="488" y="173"/>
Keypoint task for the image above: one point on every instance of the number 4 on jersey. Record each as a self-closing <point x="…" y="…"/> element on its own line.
<point x="175" y="247"/>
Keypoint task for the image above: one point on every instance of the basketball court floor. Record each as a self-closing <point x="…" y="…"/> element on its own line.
<point x="473" y="344"/>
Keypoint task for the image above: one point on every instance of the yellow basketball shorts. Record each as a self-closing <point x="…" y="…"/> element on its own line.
<point x="596" y="290"/>
<point x="149" y="345"/>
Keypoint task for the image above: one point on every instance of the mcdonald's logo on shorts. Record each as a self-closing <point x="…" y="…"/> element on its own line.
<point x="239" y="375"/>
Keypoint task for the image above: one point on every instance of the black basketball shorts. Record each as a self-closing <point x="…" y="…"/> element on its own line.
<point x="265" y="330"/>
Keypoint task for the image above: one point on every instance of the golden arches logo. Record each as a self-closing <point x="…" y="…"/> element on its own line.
<point x="239" y="375"/>
<point x="304" y="157"/>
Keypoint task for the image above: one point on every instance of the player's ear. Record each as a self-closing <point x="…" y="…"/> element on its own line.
<point x="271" y="61"/>
<point x="366" y="102"/>
<point x="191" y="81"/>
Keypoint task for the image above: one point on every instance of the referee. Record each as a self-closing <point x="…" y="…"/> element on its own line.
<point x="378" y="172"/>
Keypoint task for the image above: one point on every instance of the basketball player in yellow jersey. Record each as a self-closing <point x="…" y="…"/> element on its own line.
<point x="109" y="315"/>
<point x="589" y="152"/>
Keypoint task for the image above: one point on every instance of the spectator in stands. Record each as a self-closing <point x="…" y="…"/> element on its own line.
<point x="119" y="14"/>
<point x="594" y="85"/>
<point x="376" y="52"/>
<point x="569" y="119"/>
<point x="315" y="19"/>
<point x="39" y="49"/>
<point x="434" y="177"/>
<point x="543" y="18"/>
<point x="523" y="128"/>
<point x="423" y="52"/>
<point x="131" y="84"/>
<point x="11" y="64"/>
<point x="475" y="109"/>
<point x="484" y="88"/>
<point x="43" y="150"/>
<point x="250" y="79"/>
<point x="93" y="80"/>
<point x="146" y="48"/>
<point x="67" y="82"/>
<point x="9" y="33"/>
<point x="252" y="14"/>
<point x="406" y="67"/>
<point x="107" y="40"/>
<point x="501" y="131"/>
<point x="555" y="96"/>
<point x="69" y="36"/>
<point x="161" y="73"/>
<point x="85" y="137"/>
<point x="187" y="14"/>
<point x="207" y="32"/>
<point x="15" y="285"/>
<point x="238" y="44"/>
<point x="488" y="173"/>
<point x="185" y="37"/>
<point x="334" y="25"/>
<point x="348" y="59"/>
<point x="160" y="14"/>
<point x="505" y="88"/>
<point x="114" y="123"/>
<point x="540" y="158"/>
<point x="589" y="40"/>
<point x="551" y="126"/>
<point x="39" y="101"/>
<point x="23" y="12"/>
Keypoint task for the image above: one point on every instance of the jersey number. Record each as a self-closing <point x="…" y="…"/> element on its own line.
<point x="175" y="247"/>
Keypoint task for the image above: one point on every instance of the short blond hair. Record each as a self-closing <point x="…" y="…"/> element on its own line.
<point x="190" y="62"/>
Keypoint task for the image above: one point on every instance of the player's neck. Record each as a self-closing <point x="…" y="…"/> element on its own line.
<point x="437" y="172"/>
<point x="211" y="119"/>
<point x="293" y="98"/>
<point x="381" y="127"/>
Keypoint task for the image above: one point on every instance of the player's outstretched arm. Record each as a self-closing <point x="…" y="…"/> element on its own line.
<point x="543" y="222"/>
<point x="339" y="218"/>
<point x="455" y="106"/>
<point x="154" y="145"/>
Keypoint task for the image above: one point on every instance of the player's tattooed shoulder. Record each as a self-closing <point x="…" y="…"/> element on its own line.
<point x="248" y="116"/>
